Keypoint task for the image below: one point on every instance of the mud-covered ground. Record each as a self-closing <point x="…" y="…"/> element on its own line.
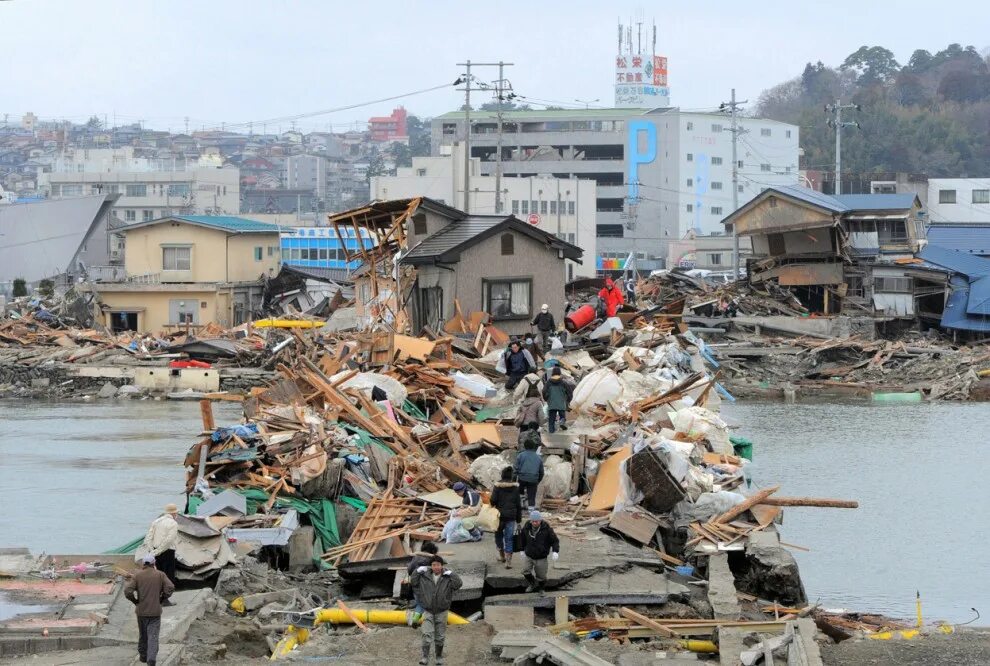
<point x="964" y="648"/>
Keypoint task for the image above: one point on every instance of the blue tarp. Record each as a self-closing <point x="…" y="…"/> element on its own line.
<point x="245" y="432"/>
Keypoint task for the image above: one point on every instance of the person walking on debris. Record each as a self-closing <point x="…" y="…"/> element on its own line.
<point x="539" y="542"/>
<point x="161" y="539"/>
<point x="630" y="287"/>
<point x="434" y="586"/>
<point x="419" y="559"/>
<point x="529" y="416"/>
<point x="558" y="392"/>
<point x="518" y="363"/>
<point x="529" y="470"/>
<point x="505" y="497"/>
<point x="545" y="324"/>
<point x="610" y="298"/>
<point x="146" y="590"/>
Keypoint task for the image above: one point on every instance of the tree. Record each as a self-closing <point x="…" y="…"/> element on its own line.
<point x="94" y="123"/>
<point x="376" y="167"/>
<point x="46" y="288"/>
<point x="960" y="86"/>
<point x="506" y="106"/>
<point x="20" y="287"/>
<point x="921" y="61"/>
<point x="910" y="90"/>
<point x="419" y="136"/>
<point x="401" y="154"/>
<point x="873" y="65"/>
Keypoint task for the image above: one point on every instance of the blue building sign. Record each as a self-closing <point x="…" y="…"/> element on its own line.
<point x="319" y="247"/>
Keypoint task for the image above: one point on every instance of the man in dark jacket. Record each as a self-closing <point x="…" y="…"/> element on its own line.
<point x="539" y="542"/>
<point x="419" y="559"/>
<point x="435" y="586"/>
<point x="505" y="497"/>
<point x="518" y="363"/>
<point x="146" y="590"/>
<point x="558" y="392"/>
<point x="529" y="471"/>
<point x="546" y="325"/>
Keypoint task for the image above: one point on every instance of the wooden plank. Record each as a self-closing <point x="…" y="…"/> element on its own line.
<point x="824" y="502"/>
<point x="354" y="618"/>
<point x="206" y="411"/>
<point x="742" y="507"/>
<point x="645" y="621"/>
<point x="607" y="482"/>
<point x="560" y="608"/>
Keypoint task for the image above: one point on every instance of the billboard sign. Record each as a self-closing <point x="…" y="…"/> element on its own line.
<point x="641" y="81"/>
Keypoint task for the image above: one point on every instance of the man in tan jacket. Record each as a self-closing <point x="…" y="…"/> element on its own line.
<point x="161" y="540"/>
<point x="146" y="590"/>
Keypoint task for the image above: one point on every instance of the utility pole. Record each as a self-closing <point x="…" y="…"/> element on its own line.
<point x="500" y="86"/>
<point x="837" y="124"/>
<point x="467" y="131"/>
<point x="733" y="105"/>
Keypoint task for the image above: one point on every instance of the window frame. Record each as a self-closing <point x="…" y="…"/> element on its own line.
<point x="175" y="248"/>
<point x="984" y="196"/>
<point x="510" y="245"/>
<point x="486" y="285"/>
<point x="944" y="195"/>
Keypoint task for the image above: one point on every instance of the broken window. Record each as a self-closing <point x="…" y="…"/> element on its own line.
<point x="776" y="244"/>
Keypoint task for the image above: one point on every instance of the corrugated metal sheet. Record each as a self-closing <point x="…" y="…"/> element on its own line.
<point x="967" y="238"/>
<point x="979" y="297"/>
<point x="876" y="201"/>
<point x="955" y="315"/>
<point x="959" y="262"/>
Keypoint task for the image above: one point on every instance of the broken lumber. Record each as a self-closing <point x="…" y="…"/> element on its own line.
<point x="743" y="507"/>
<point x="823" y="502"/>
<point x="645" y="621"/>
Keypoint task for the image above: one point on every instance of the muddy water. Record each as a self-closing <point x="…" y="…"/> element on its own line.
<point x="920" y="475"/>
<point x="87" y="477"/>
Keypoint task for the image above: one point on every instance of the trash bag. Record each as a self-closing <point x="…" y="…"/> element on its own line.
<point x="706" y="507"/>
<point x="366" y="382"/>
<point x="597" y="387"/>
<point x="487" y="519"/>
<point x="455" y="532"/>
<point x="698" y="422"/>
<point x="557" y="477"/>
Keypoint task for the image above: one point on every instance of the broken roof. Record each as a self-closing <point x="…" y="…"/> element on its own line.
<point x="446" y="245"/>
<point x="968" y="306"/>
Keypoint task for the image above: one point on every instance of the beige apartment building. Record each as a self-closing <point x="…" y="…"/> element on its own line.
<point x="184" y="272"/>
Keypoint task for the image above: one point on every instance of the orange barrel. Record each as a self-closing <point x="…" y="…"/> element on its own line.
<point x="579" y="318"/>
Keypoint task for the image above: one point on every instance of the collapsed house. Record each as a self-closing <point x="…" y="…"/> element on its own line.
<point x="849" y="254"/>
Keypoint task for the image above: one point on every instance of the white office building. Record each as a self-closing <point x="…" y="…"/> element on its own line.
<point x="564" y="207"/>
<point x="659" y="173"/>
<point x="958" y="200"/>
<point x="149" y="188"/>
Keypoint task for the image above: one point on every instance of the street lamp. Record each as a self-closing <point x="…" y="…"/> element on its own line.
<point x="587" y="102"/>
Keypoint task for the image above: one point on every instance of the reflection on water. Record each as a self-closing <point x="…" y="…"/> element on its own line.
<point x="919" y="473"/>
<point x="87" y="477"/>
<point x="10" y="608"/>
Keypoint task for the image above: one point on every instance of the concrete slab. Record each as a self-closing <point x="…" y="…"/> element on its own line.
<point x="505" y="618"/>
<point x="806" y="630"/>
<point x="189" y="606"/>
<point x="722" y="588"/>
<point x="659" y="657"/>
<point x="730" y="645"/>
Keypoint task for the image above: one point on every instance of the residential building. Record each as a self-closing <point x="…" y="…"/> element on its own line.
<point x="307" y="172"/>
<point x="278" y="201"/>
<point x="659" y="173"/>
<point x="183" y="272"/>
<point x="967" y="307"/>
<point x="837" y="253"/>
<point x="149" y="188"/>
<point x="562" y="207"/>
<point x="49" y="239"/>
<point x="958" y="200"/>
<point x="969" y="237"/>
<point x="385" y="129"/>
<point x="490" y="263"/>
<point x="713" y="252"/>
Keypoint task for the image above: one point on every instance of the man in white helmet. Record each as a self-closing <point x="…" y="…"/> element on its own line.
<point x="546" y="326"/>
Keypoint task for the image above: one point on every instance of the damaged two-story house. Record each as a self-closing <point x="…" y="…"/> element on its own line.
<point x="850" y="254"/>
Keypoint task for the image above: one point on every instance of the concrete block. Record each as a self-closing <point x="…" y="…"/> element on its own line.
<point x="722" y="588"/>
<point x="504" y="618"/>
<point x="40" y="382"/>
<point x="301" y="549"/>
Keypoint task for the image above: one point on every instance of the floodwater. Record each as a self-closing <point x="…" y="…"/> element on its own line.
<point x="919" y="472"/>
<point x="87" y="477"/>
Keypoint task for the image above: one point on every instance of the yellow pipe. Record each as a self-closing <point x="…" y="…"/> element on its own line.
<point x="700" y="646"/>
<point x="287" y="323"/>
<point x="338" y="616"/>
<point x="294" y="636"/>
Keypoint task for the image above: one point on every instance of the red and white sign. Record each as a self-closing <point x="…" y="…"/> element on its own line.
<point x="534" y="218"/>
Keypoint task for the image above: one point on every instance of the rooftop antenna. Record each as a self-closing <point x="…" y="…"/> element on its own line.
<point x="620" y="36"/>
<point x="639" y="37"/>
<point x="654" y="37"/>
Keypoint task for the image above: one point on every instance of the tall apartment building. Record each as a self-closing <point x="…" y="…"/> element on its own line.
<point x="958" y="200"/>
<point x="659" y="173"/>
<point x="564" y="207"/>
<point x="389" y="128"/>
<point x="149" y="188"/>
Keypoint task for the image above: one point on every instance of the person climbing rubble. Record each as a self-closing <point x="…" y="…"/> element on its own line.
<point x="529" y="469"/>
<point x="545" y="325"/>
<point x="506" y="498"/>
<point x="530" y="413"/>
<point x="434" y="586"/>
<point x="518" y="363"/>
<point x="161" y="539"/>
<point x="610" y="298"/>
<point x="558" y="392"/>
<point x="539" y="542"/>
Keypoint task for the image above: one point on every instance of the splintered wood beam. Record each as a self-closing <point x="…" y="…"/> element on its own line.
<point x="744" y="506"/>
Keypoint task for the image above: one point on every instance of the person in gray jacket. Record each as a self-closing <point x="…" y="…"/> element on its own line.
<point x="434" y="587"/>
<point x="529" y="472"/>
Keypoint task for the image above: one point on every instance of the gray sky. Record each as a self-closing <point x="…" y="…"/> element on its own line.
<point x="253" y="60"/>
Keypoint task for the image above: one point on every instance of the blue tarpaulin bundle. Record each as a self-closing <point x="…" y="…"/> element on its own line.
<point x="248" y="431"/>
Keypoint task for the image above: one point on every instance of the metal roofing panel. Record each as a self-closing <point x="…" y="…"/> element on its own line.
<point x="876" y="201"/>
<point x="453" y="235"/>
<point x="979" y="297"/>
<point x="813" y="197"/>
<point x="231" y="223"/>
<point x="959" y="262"/>
<point x="955" y="316"/>
<point x="968" y="238"/>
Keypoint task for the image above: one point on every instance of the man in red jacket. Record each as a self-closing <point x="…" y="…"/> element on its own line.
<point x="611" y="298"/>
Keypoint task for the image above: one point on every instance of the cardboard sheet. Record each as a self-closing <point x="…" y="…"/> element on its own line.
<point x="473" y="432"/>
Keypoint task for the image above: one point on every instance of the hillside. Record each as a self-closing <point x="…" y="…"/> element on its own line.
<point x="930" y="116"/>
